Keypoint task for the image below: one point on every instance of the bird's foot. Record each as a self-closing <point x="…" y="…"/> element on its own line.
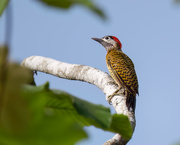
<point x="35" y="72"/>
<point x="117" y="92"/>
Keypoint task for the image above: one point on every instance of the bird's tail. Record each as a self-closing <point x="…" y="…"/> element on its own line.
<point x="131" y="101"/>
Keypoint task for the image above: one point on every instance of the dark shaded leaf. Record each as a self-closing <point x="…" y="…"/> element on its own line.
<point x="65" y="4"/>
<point x="177" y="1"/>
<point x="90" y="114"/>
<point x="12" y="76"/>
<point x="96" y="115"/>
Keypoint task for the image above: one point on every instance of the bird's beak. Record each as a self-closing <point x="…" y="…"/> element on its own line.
<point x="98" y="40"/>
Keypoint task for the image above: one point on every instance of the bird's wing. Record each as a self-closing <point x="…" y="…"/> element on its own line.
<point x="122" y="70"/>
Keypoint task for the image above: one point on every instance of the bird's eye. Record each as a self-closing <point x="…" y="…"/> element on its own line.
<point x="107" y="38"/>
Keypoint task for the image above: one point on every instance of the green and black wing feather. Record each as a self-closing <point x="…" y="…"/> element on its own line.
<point x="122" y="70"/>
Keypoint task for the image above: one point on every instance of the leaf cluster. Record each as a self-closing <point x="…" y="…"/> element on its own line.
<point x="63" y="4"/>
<point x="40" y="115"/>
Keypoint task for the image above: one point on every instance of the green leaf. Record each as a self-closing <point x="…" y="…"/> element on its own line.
<point x="121" y="124"/>
<point x="25" y="118"/>
<point x="45" y="126"/>
<point x="96" y="115"/>
<point x="3" y="4"/>
<point x="90" y="114"/>
<point x="86" y="113"/>
<point x="66" y="4"/>
<point x="100" y="117"/>
<point x="53" y="128"/>
<point x="12" y="76"/>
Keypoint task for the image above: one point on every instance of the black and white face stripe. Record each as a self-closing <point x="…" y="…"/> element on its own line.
<point x="108" y="42"/>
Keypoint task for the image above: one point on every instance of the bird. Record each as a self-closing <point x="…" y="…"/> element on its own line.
<point x="121" y="69"/>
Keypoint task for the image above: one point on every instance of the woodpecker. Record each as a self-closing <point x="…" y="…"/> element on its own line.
<point x="121" y="69"/>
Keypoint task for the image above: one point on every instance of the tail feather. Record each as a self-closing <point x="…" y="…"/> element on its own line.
<point x="131" y="101"/>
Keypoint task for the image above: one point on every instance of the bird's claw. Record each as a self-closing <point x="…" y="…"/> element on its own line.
<point x="115" y="93"/>
<point x="35" y="72"/>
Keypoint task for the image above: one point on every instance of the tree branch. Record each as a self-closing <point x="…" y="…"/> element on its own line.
<point x="87" y="74"/>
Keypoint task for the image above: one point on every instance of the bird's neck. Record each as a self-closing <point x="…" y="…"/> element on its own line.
<point x="113" y="49"/>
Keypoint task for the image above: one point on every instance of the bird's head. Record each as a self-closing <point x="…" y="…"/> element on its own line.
<point x="109" y="42"/>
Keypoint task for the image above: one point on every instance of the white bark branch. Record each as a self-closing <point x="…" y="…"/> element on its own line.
<point x="87" y="74"/>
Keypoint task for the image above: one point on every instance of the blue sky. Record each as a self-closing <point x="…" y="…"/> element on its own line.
<point x="150" y="35"/>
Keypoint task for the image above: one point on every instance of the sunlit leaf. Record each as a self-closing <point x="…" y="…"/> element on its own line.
<point x="45" y="126"/>
<point x="120" y="123"/>
<point x="51" y="127"/>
